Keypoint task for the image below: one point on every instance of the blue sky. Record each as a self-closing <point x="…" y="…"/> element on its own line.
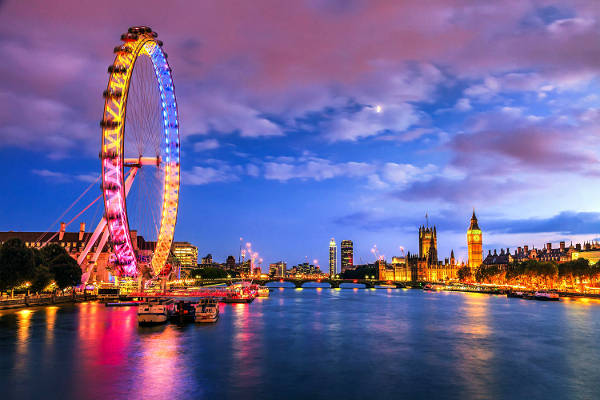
<point x="324" y="119"/>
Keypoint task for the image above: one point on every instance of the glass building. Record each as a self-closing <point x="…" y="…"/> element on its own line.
<point x="347" y="250"/>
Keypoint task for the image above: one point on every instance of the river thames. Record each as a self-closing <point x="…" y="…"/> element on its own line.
<point x="311" y="343"/>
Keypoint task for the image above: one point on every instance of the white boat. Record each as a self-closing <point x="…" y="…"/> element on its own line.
<point x="263" y="291"/>
<point x="153" y="313"/>
<point x="546" y="296"/>
<point x="207" y="310"/>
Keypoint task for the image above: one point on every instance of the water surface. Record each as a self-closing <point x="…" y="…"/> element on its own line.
<point x="310" y="343"/>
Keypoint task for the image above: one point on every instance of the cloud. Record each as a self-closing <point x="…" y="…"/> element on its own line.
<point x="380" y="220"/>
<point x="464" y="190"/>
<point x="463" y="104"/>
<point x="203" y="113"/>
<point x="252" y="170"/>
<point x="204" y="175"/>
<point x="370" y="122"/>
<point x="448" y="220"/>
<point x="63" y="177"/>
<point x="209" y="144"/>
<point x="314" y="168"/>
<point x="507" y="141"/>
<point x="565" y="222"/>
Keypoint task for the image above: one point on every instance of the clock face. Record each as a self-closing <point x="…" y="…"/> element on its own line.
<point x="476" y="237"/>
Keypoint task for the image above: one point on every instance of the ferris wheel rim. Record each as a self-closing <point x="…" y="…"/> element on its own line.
<point x="139" y="41"/>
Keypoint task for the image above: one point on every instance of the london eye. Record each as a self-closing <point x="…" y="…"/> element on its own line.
<point x="140" y="142"/>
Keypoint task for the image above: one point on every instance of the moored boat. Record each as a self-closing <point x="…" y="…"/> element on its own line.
<point x="237" y="298"/>
<point x="546" y="296"/>
<point x="263" y="291"/>
<point x="240" y="293"/>
<point x="207" y="310"/>
<point x="515" y="294"/>
<point x="183" y="311"/>
<point x="153" y="313"/>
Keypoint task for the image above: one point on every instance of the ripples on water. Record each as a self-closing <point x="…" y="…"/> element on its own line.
<point x="317" y="343"/>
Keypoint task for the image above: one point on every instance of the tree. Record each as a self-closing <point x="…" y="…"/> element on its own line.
<point x="360" y="272"/>
<point x="209" y="273"/>
<point x="66" y="271"/>
<point x="16" y="264"/>
<point x="51" y="251"/>
<point x="464" y="273"/>
<point x="41" y="276"/>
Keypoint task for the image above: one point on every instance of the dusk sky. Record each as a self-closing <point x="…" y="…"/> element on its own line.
<point x="306" y="120"/>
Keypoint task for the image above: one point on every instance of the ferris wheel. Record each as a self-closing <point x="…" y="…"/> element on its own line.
<point x="140" y="138"/>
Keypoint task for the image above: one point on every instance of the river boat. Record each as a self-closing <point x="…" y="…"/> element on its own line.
<point x="207" y="310"/>
<point x="518" y="295"/>
<point x="429" y="286"/>
<point x="183" y="311"/>
<point x="240" y="293"/>
<point x="122" y="304"/>
<point x="255" y="289"/>
<point x="237" y="298"/>
<point x="546" y="296"/>
<point x="153" y="312"/>
<point x="263" y="291"/>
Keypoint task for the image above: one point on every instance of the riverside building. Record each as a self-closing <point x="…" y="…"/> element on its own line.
<point x="474" y="243"/>
<point x="187" y="255"/>
<point x="332" y="258"/>
<point x="347" y="250"/>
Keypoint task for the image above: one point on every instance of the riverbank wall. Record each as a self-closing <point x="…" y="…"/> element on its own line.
<point x="33" y="301"/>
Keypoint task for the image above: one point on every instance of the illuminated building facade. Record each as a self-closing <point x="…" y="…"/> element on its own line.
<point x="474" y="243"/>
<point x="428" y="243"/>
<point x="306" y="270"/>
<point x="347" y="250"/>
<point x="186" y="253"/>
<point x="278" y="269"/>
<point x="332" y="257"/>
<point x="589" y="251"/>
<point x="424" y="266"/>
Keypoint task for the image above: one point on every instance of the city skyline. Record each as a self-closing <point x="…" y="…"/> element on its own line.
<point x="358" y="143"/>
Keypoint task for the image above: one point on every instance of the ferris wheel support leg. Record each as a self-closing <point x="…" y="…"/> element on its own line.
<point x="100" y="228"/>
<point x="96" y="255"/>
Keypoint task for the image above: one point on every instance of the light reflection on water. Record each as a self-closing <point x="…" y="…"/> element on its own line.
<point x="316" y="343"/>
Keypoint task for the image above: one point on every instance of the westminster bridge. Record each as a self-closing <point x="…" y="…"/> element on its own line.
<point x="299" y="282"/>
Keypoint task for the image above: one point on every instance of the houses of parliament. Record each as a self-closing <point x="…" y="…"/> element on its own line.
<point x="425" y="266"/>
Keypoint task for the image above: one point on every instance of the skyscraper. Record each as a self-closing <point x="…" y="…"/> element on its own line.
<point x="332" y="258"/>
<point x="474" y="242"/>
<point x="347" y="250"/>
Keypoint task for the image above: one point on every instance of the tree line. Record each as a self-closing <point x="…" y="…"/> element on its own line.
<point x="536" y="273"/>
<point x="20" y="265"/>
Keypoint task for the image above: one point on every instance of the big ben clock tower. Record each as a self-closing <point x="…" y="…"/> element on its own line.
<point x="474" y="243"/>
